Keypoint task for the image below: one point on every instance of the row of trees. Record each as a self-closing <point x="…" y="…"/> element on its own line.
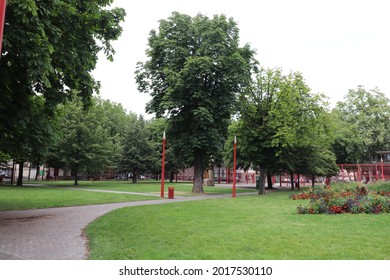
<point x="274" y="137"/>
<point x="199" y="77"/>
<point x="205" y="90"/>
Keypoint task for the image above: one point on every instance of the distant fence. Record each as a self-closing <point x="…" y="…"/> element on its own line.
<point x="366" y="173"/>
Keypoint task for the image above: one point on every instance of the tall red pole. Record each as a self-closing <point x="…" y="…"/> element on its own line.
<point x="163" y="165"/>
<point x="234" y="167"/>
<point x="3" y="3"/>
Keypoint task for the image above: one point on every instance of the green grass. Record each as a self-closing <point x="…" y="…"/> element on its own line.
<point x="254" y="227"/>
<point x="141" y="187"/>
<point x="20" y="198"/>
<point x="48" y="194"/>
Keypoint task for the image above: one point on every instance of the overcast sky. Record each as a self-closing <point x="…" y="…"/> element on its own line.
<point x="336" y="44"/>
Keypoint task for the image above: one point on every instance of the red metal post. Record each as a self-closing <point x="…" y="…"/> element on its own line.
<point x="3" y="4"/>
<point x="163" y="165"/>
<point x="234" y="166"/>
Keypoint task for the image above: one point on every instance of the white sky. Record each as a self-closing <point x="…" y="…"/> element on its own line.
<point x="336" y="44"/>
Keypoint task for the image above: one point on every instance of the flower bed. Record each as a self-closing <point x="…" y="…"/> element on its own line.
<point x="325" y="200"/>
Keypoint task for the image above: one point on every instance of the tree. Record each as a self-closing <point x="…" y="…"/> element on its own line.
<point x="31" y="141"/>
<point x="194" y="72"/>
<point x="138" y="155"/>
<point x="365" y="115"/>
<point x="282" y="126"/>
<point x="348" y="144"/>
<point x="84" y="144"/>
<point x="113" y="119"/>
<point x="49" y="50"/>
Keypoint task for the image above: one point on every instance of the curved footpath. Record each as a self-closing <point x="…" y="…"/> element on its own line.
<point x="57" y="233"/>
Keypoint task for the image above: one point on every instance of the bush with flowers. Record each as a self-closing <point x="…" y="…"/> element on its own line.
<point x="327" y="200"/>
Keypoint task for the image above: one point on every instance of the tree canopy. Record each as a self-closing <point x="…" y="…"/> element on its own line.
<point x="282" y="127"/>
<point x="49" y="50"/>
<point x="194" y="72"/>
<point x="363" y="126"/>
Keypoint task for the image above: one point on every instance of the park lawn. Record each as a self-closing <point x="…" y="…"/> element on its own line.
<point x="142" y="187"/>
<point x="21" y="198"/>
<point x="249" y="227"/>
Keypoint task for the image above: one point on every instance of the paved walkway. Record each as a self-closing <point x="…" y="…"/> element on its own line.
<point x="57" y="233"/>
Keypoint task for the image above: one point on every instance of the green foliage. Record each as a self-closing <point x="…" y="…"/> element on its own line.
<point x="139" y="155"/>
<point x="364" y="127"/>
<point x="173" y="162"/>
<point x="194" y="71"/>
<point x="284" y="127"/>
<point x="347" y="145"/>
<point x="49" y="50"/>
<point x="84" y="143"/>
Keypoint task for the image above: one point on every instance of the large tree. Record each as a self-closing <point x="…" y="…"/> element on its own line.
<point x="282" y="126"/>
<point x="49" y="49"/>
<point x="194" y="72"/>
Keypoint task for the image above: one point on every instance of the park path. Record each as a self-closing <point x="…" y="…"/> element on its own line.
<point x="57" y="233"/>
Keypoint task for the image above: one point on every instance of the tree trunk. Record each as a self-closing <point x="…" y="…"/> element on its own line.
<point x="37" y="173"/>
<point x="29" y="171"/>
<point x="76" y="176"/>
<point x="171" y="176"/>
<point x="292" y="180"/>
<point x="13" y="172"/>
<point x="20" y="175"/>
<point x="198" y="174"/>
<point x="263" y="176"/>
<point x="269" y="181"/>
<point x="313" y="178"/>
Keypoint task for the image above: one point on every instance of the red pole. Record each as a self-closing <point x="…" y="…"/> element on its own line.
<point x="382" y="171"/>
<point x="163" y="165"/>
<point x="234" y="167"/>
<point x="3" y="4"/>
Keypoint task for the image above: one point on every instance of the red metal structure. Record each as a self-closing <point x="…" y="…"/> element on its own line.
<point x="164" y="140"/>
<point x="366" y="172"/>
<point x="3" y="3"/>
<point x="234" y="166"/>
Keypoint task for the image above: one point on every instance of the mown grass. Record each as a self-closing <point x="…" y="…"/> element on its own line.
<point x="49" y="194"/>
<point x="141" y="187"/>
<point x="254" y="227"/>
<point x="21" y="198"/>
